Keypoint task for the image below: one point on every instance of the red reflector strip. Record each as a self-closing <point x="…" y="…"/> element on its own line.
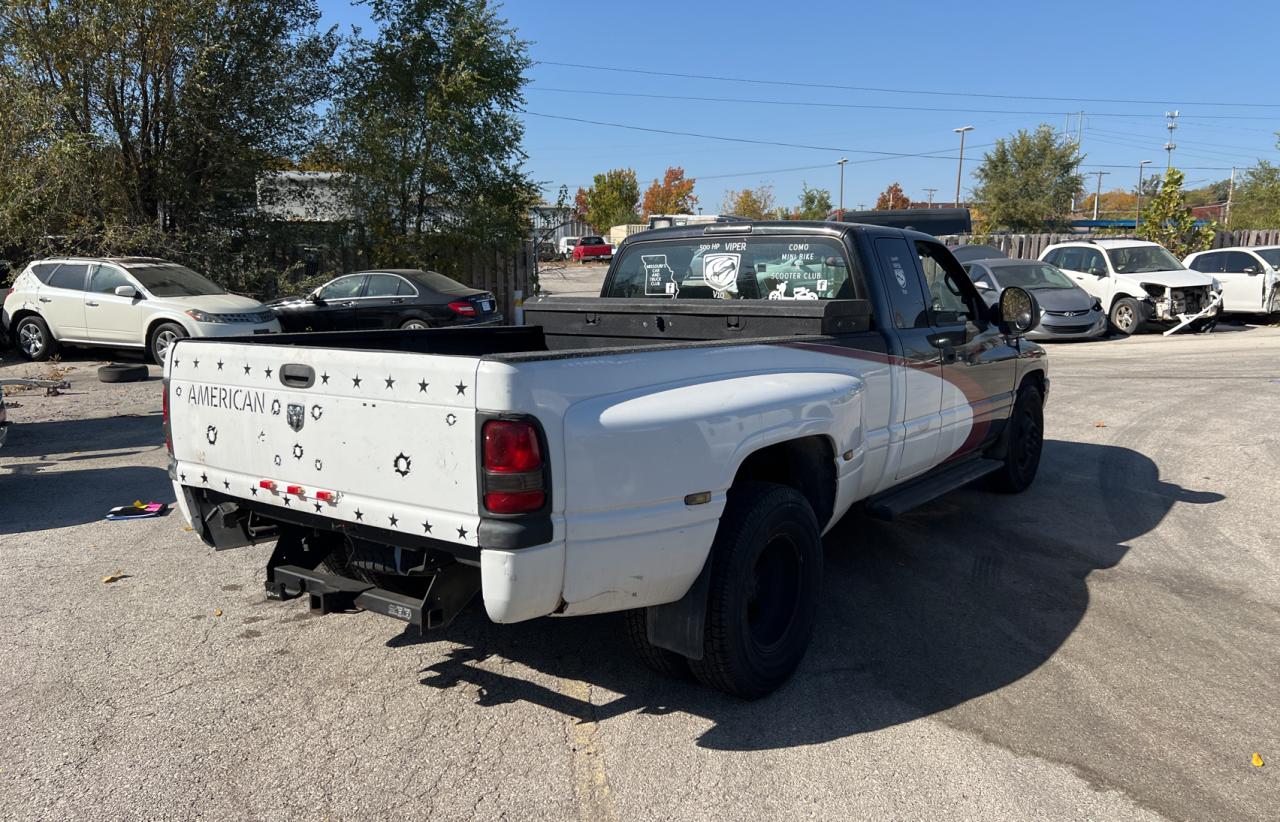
<point x="324" y="496"/>
<point x="267" y="484"/>
<point x="518" y="502"/>
<point x="295" y="490"/>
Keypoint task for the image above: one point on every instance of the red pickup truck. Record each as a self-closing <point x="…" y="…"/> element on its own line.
<point x="592" y="248"/>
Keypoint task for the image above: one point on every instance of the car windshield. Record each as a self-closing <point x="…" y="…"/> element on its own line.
<point x="1142" y="259"/>
<point x="442" y="284"/>
<point x="1271" y="255"/>
<point x="1031" y="275"/>
<point x="173" y="280"/>
<point x="775" y="268"/>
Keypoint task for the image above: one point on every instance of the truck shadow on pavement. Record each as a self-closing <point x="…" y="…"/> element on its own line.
<point x="57" y="437"/>
<point x="37" y="497"/>
<point x="954" y="601"/>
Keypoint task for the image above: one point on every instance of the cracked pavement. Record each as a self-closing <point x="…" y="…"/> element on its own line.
<point x="1104" y="646"/>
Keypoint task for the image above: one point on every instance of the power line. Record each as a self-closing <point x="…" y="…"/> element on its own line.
<point x="728" y="139"/>
<point x="797" y="84"/>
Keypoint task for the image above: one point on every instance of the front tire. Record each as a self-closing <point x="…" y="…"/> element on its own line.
<point x="165" y="335"/>
<point x="766" y="576"/>
<point x="34" y="339"/>
<point x="1024" y="445"/>
<point x="1126" y="316"/>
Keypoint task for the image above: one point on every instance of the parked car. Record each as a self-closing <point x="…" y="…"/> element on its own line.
<point x="123" y="302"/>
<point x="1139" y="283"/>
<point x="1067" y="311"/>
<point x="676" y="459"/>
<point x="1250" y="277"/>
<point x="388" y="298"/>
<point x="592" y="248"/>
<point x="565" y="247"/>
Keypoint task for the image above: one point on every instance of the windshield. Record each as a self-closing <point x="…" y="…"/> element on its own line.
<point x="173" y="280"/>
<point x="1142" y="259"/>
<point x="1031" y="275"/>
<point x="746" y="268"/>
<point x="1271" y="255"/>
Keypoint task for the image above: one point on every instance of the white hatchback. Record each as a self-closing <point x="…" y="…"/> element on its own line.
<point x="123" y="302"/>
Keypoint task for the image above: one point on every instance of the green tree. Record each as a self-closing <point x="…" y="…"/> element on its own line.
<point x="1028" y="181"/>
<point x="1168" y="220"/>
<point x="1256" y="202"/>
<point x="612" y="199"/>
<point x="673" y="195"/>
<point x="425" y="125"/>
<point x="892" y="197"/>
<point x="815" y="204"/>
<point x="752" y="203"/>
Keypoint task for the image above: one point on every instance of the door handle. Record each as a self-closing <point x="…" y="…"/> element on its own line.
<point x="46" y="299"/>
<point x="90" y="303"/>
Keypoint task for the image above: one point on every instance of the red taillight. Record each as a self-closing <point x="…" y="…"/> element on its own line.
<point x="267" y="484"/>
<point x="324" y="496"/>
<point x="295" y="490"/>
<point x="511" y="447"/>
<point x="462" y="308"/>
<point x="513" y="482"/>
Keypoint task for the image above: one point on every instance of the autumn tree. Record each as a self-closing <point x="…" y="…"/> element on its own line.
<point x="752" y="203"/>
<point x="892" y="197"/>
<point x="673" y="195"/>
<point x="1028" y="181"/>
<point x="1114" y="204"/>
<point x="612" y="198"/>
<point x="1168" y="220"/>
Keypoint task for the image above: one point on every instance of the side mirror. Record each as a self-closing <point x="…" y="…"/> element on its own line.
<point x="126" y="291"/>
<point x="1017" y="311"/>
<point x="1250" y="270"/>
<point x="981" y="286"/>
<point x="1098" y="272"/>
<point x="314" y="297"/>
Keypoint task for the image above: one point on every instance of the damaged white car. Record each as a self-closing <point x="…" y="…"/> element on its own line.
<point x="1250" y="277"/>
<point x="1140" y="283"/>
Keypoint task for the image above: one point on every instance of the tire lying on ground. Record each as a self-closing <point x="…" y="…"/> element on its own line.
<point x="123" y="372"/>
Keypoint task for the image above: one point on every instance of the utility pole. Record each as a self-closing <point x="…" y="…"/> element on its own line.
<point x="1097" y="194"/>
<point x="930" y="191"/>
<point x="960" y="166"/>
<point x="1231" y="191"/>
<point x="1138" y="219"/>
<point x="1171" y="145"/>
<point x="1079" y="156"/>
<point x="841" y="163"/>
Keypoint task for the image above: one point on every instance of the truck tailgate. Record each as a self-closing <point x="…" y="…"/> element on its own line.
<point x="384" y="439"/>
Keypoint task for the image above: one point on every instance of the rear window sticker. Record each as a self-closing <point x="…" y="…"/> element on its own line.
<point x="659" y="279"/>
<point x="721" y="270"/>
<point x="801" y="293"/>
<point x="899" y="273"/>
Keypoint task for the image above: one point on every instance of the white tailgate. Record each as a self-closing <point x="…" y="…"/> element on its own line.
<point x="391" y="434"/>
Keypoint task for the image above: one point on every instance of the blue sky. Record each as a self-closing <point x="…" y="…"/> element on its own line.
<point x="989" y="66"/>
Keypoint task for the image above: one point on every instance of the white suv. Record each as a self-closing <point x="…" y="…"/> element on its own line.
<point x="1137" y="282"/>
<point x="124" y="302"/>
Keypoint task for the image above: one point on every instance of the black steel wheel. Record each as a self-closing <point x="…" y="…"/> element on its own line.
<point x="1025" y="443"/>
<point x="766" y="572"/>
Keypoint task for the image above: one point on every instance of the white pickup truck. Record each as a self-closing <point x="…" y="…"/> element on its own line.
<point x="653" y="451"/>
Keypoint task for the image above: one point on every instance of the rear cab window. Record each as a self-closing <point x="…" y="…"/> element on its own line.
<point x="760" y="267"/>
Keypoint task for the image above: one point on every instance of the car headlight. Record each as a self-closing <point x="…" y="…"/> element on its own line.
<point x="1154" y="291"/>
<point x="204" y="316"/>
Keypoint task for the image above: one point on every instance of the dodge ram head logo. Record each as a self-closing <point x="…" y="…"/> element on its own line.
<point x="297" y="416"/>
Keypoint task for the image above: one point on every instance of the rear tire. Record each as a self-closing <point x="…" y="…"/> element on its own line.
<point x="1126" y="316"/>
<point x="165" y="335"/>
<point x="414" y="325"/>
<point x="34" y="339"/>
<point x="1025" y="443"/>
<point x="766" y="576"/>
<point x="667" y="663"/>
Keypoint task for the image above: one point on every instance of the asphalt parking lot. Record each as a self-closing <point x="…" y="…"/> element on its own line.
<point x="1105" y="646"/>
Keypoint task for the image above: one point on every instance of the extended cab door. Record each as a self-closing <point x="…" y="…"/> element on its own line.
<point x="978" y="363"/>
<point x="915" y="425"/>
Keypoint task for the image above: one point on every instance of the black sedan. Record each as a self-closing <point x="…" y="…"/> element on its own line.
<point x="1067" y="311"/>
<point x="388" y="298"/>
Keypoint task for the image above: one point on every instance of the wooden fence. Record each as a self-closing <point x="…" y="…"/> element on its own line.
<point x="503" y="273"/>
<point x="1031" y="246"/>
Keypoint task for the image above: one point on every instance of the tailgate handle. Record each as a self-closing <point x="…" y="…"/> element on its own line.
<point x="297" y="375"/>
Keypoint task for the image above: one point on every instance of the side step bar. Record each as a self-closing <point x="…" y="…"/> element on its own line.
<point x="898" y="501"/>
<point x="448" y="594"/>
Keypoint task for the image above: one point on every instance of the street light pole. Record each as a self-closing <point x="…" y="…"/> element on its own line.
<point x="1138" y="219"/>
<point x="841" y="163"/>
<point x="960" y="166"/>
